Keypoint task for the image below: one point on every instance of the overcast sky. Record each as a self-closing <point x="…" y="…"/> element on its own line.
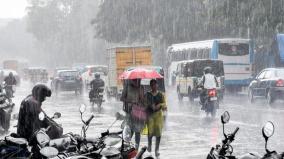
<point x="12" y="8"/>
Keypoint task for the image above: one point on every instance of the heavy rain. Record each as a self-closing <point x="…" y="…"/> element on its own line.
<point x="142" y="79"/>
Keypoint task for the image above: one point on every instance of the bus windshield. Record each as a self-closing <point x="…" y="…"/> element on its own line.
<point x="233" y="49"/>
<point x="197" y="67"/>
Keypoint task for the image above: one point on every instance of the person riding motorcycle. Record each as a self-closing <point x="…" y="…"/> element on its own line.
<point x="95" y="85"/>
<point x="6" y="107"/>
<point x="10" y="81"/>
<point x="208" y="81"/>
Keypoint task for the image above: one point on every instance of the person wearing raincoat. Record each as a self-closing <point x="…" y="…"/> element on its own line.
<point x="156" y="104"/>
<point x="31" y="107"/>
<point x="132" y="96"/>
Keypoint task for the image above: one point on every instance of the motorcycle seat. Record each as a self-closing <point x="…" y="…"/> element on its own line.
<point x="16" y="141"/>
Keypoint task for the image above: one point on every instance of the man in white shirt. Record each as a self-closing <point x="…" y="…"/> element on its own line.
<point x="208" y="81"/>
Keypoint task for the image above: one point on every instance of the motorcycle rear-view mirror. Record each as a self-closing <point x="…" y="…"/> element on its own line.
<point x="82" y="108"/>
<point x="49" y="152"/>
<point x="56" y="115"/>
<point x="268" y="130"/>
<point x="225" y="117"/>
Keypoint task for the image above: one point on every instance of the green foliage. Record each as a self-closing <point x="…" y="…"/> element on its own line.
<point x="175" y="21"/>
<point x="64" y="31"/>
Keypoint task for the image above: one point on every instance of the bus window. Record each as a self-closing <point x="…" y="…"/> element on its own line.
<point x="233" y="49"/>
<point x="207" y="52"/>
<point x="184" y="54"/>
<point x="199" y="54"/>
<point x="193" y="54"/>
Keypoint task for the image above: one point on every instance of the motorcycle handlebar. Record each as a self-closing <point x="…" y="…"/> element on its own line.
<point x="89" y="120"/>
<point x="236" y="130"/>
<point x="107" y="133"/>
<point x="116" y="133"/>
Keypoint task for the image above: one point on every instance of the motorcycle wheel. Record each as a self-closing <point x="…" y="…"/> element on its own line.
<point x="6" y="121"/>
<point x="212" y="105"/>
<point x="92" y="103"/>
<point x="9" y="93"/>
<point x="99" y="104"/>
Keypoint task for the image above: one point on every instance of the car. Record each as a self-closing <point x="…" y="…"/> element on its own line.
<point x="67" y="80"/>
<point x="6" y="74"/>
<point x="89" y="73"/>
<point x="268" y="84"/>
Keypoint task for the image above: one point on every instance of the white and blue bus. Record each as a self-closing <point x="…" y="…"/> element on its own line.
<point x="236" y="54"/>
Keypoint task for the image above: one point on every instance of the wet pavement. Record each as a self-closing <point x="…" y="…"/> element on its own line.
<point x="188" y="132"/>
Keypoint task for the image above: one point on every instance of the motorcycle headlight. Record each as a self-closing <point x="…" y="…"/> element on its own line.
<point x="42" y="138"/>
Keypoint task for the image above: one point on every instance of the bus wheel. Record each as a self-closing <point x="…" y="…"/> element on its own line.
<point x="190" y="96"/>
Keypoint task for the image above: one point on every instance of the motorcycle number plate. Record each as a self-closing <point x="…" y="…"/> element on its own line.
<point x="213" y="98"/>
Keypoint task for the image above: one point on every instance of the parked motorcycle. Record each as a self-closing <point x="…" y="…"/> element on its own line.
<point x="225" y="150"/>
<point x="267" y="132"/>
<point x="97" y="97"/>
<point x="13" y="146"/>
<point x="6" y="108"/>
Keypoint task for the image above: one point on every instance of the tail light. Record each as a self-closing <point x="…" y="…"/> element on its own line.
<point x="132" y="154"/>
<point x="280" y="83"/>
<point x="212" y="93"/>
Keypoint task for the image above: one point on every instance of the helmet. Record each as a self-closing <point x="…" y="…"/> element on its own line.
<point x="10" y="74"/>
<point x="40" y="92"/>
<point x="97" y="75"/>
<point x="207" y="70"/>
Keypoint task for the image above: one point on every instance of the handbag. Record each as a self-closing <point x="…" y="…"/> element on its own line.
<point x="139" y="112"/>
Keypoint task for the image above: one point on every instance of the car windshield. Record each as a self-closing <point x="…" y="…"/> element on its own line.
<point x="280" y="73"/>
<point x="68" y="73"/>
<point x="197" y="67"/>
<point x="99" y="69"/>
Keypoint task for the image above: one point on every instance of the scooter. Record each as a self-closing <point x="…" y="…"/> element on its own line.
<point x="225" y="150"/>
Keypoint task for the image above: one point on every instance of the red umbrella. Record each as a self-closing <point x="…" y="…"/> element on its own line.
<point x="140" y="73"/>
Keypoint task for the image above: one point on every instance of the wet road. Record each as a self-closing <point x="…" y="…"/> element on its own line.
<point x="188" y="132"/>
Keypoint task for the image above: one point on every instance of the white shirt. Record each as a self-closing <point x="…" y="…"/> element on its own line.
<point x="209" y="81"/>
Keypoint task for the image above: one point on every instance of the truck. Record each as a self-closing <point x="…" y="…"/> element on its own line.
<point x="11" y="64"/>
<point x="121" y="58"/>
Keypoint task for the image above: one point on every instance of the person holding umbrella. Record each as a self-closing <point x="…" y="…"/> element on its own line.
<point x="132" y="96"/>
<point x="133" y="99"/>
<point x="156" y="104"/>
